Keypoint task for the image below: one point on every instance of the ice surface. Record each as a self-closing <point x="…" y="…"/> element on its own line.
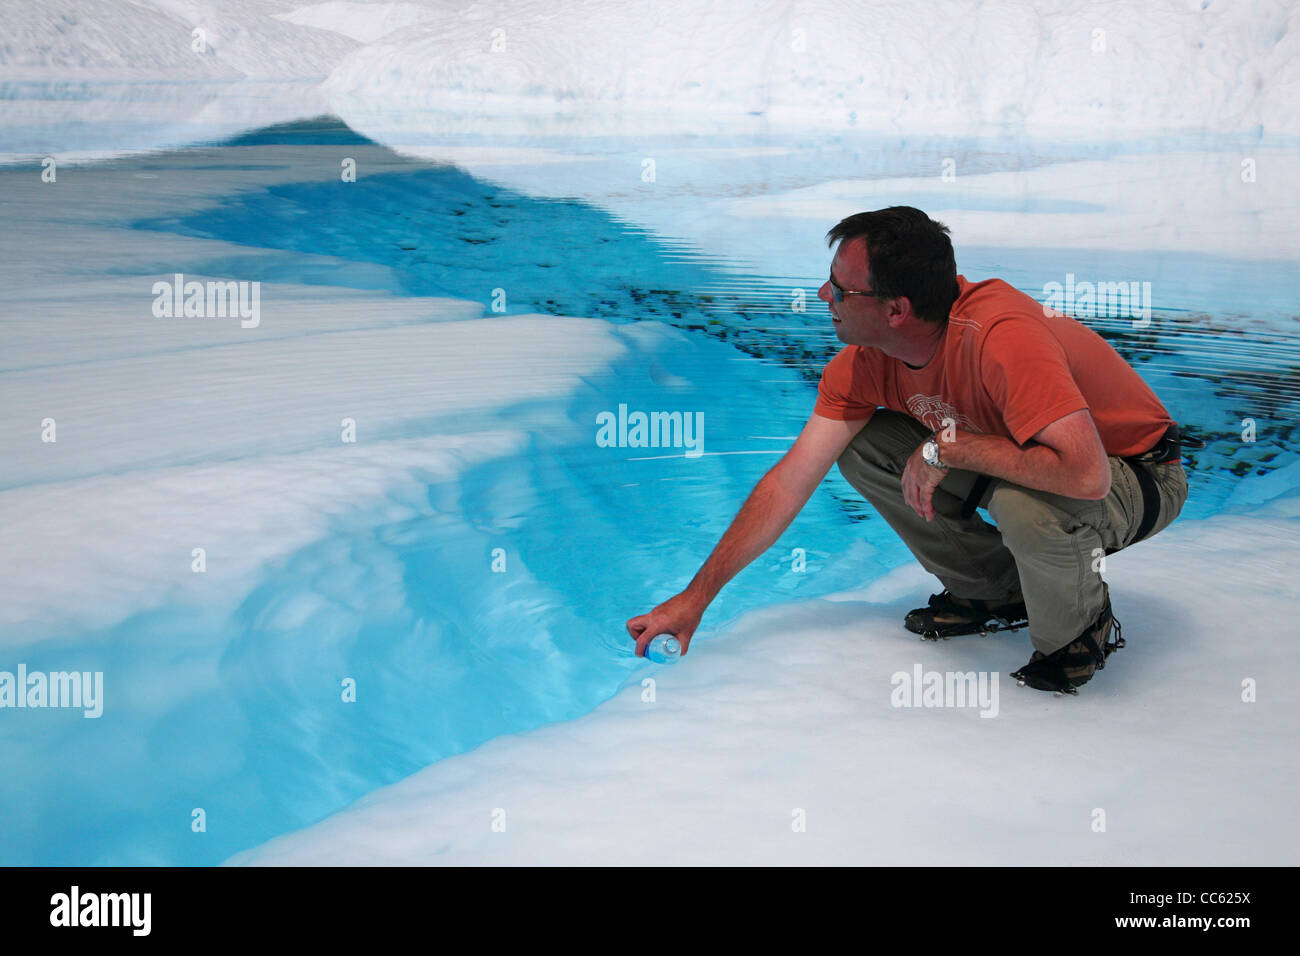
<point x="1069" y="68"/>
<point x="364" y="22"/>
<point x="164" y="40"/>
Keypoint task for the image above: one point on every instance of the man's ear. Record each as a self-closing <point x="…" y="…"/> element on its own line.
<point x="900" y="310"/>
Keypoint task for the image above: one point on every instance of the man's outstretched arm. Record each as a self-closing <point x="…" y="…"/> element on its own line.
<point x="771" y="506"/>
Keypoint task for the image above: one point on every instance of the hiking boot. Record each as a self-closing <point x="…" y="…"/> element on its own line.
<point x="948" y="616"/>
<point x="1069" y="668"/>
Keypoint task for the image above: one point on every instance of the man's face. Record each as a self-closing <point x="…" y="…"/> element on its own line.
<point x="859" y="319"/>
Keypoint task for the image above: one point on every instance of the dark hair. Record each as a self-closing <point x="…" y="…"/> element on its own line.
<point x="910" y="255"/>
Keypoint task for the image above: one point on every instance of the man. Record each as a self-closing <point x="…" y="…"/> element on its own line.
<point x="951" y="395"/>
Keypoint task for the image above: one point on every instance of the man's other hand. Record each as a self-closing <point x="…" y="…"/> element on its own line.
<point x="919" y="482"/>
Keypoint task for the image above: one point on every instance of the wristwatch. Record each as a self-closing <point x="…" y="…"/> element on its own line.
<point x="930" y="452"/>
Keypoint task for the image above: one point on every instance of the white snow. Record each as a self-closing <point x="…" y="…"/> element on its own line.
<point x="1068" y="68"/>
<point x="365" y="22"/>
<point x="126" y="540"/>
<point x="163" y="40"/>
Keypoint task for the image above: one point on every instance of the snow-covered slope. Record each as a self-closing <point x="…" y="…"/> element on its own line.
<point x="162" y="41"/>
<point x="1069" y="66"/>
<point x="364" y="22"/>
<point x="1073" y="68"/>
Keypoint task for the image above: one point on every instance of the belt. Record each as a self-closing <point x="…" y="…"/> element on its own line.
<point x="1168" y="449"/>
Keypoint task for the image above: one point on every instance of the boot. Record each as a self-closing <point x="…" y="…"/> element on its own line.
<point x="1069" y="668"/>
<point x="948" y="616"/>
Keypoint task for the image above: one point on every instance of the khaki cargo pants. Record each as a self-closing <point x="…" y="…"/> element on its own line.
<point x="1044" y="547"/>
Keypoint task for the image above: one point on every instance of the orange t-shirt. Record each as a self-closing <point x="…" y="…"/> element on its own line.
<point x="1006" y="368"/>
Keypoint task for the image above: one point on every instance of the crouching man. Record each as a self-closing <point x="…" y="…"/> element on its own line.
<point x="950" y="396"/>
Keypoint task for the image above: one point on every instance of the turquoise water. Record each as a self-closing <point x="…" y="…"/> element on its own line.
<point x="448" y="659"/>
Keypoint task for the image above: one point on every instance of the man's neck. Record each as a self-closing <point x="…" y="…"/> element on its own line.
<point x="918" y="355"/>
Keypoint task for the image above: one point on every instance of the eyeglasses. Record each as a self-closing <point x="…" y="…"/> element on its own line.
<point x="838" y="294"/>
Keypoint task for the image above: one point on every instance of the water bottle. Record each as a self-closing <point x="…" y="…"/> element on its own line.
<point x="664" y="649"/>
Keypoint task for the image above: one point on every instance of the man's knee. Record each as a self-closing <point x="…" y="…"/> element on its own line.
<point x="885" y="441"/>
<point x="1023" y="517"/>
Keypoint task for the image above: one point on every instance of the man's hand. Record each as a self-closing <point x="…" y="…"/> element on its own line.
<point x="679" y="615"/>
<point x="919" y="482"/>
